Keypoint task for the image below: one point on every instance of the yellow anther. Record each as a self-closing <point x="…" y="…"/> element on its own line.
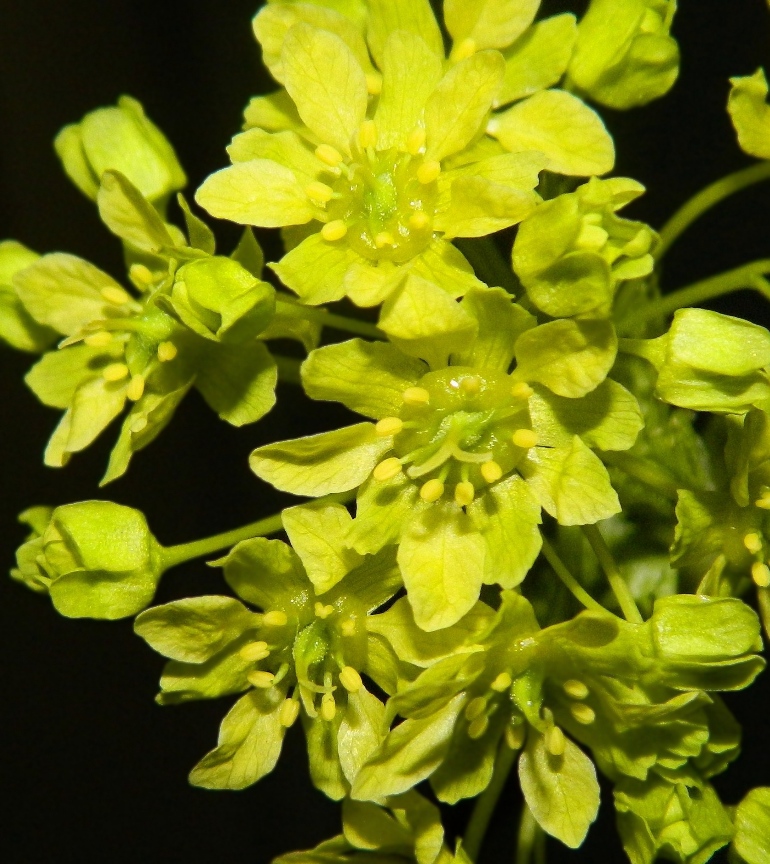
<point x="419" y="220"/>
<point x="555" y="742"/>
<point x="463" y="50"/>
<point x="416" y="140"/>
<point x="428" y="172"/>
<point x="760" y="573"/>
<point x="351" y="680"/>
<point x="115" y="372"/>
<point x="328" y="707"/>
<point x="374" y="84"/>
<point x="328" y="155"/>
<point x="334" y="230"/>
<point x="322" y="611"/>
<point x="167" y="351"/>
<point x="521" y="390"/>
<point x="478" y="727"/>
<point x="135" y="389"/>
<point x="583" y="713"/>
<point x="475" y="708"/>
<point x="389" y="426"/>
<point x="471" y="385"/>
<point x="465" y="492"/>
<point x="141" y="276"/>
<point x="263" y="680"/>
<point x="367" y="134"/>
<point x="491" y="471"/>
<point x="139" y="424"/>
<point x="113" y="294"/>
<point x="319" y="192"/>
<point x="763" y="502"/>
<point x="254" y="651"/>
<point x="416" y="396"/>
<point x="387" y="469"/>
<point x="514" y="736"/>
<point x="524" y="438"/>
<point x="753" y="542"/>
<point x="276" y="618"/>
<point x="98" y="340"/>
<point x="502" y="682"/>
<point x="432" y="490"/>
<point x="348" y="628"/>
<point x="383" y="239"/>
<point x="289" y="713"/>
<point x="575" y="689"/>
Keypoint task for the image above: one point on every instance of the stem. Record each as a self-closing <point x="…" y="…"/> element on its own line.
<point x="618" y="584"/>
<point x="577" y="590"/>
<point x="485" y="805"/>
<point x="644" y="471"/>
<point x="747" y="276"/>
<point x="328" y="319"/>
<point x="288" y="369"/>
<point x="530" y="837"/>
<point x="488" y="262"/>
<point x="706" y="199"/>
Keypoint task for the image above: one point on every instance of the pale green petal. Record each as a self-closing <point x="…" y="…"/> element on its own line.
<point x="130" y="216"/>
<point x="458" y="107"/>
<point x="410" y="73"/>
<point x="317" y="533"/>
<point x="519" y="170"/>
<point x="571" y="483"/>
<point x="258" y="192"/>
<point x="414" y="16"/>
<point x="369" y="827"/>
<point x="321" y="464"/>
<point x="273" y="113"/>
<point x="316" y="270"/>
<point x="373" y="582"/>
<point x="223" y="675"/>
<point x="479" y="207"/>
<point x="17" y="327"/>
<point x="441" y="557"/>
<point x="368" y="283"/>
<point x="501" y="322"/>
<point x="323" y="756"/>
<point x="752" y="826"/>
<point x="326" y="82"/>
<point x="569" y="133"/>
<point x="285" y="148"/>
<point x="444" y="264"/>
<point x="57" y="375"/>
<point x="539" y="58"/>
<point x="383" y="508"/>
<point x="489" y="23"/>
<point x="750" y="113"/>
<point x="367" y="377"/>
<point x="96" y="404"/>
<point x="361" y="731"/>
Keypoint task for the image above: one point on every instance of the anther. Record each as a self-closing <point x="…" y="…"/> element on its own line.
<point x="319" y="192"/>
<point x="416" y="396"/>
<point x="521" y="390"/>
<point x="475" y="708"/>
<point x="322" y="611"/>
<point x="478" y="727"/>
<point x="763" y="502"/>
<point x="135" y="389"/>
<point x="328" y="707"/>
<point x="387" y="469"/>
<point x="419" y="220"/>
<point x="416" y="140"/>
<point x="753" y="542"/>
<point x="367" y="134"/>
<point x="428" y="172"/>
<point x="98" y="340"/>
<point x="141" y="276"/>
<point x="575" y="689"/>
<point x="502" y="682"/>
<point x="328" y="155"/>
<point x="334" y="230"/>
<point x="374" y="84"/>
<point x="115" y="372"/>
<point x="463" y="50"/>
<point x="524" y="438"/>
<point x="166" y="352"/>
<point x="760" y="573"/>
<point x="276" y="618"/>
<point x="465" y="492"/>
<point x="471" y="385"/>
<point x="254" y="651"/>
<point x="384" y="238"/>
<point x="389" y="426"/>
<point x="113" y="294"/>
<point x="491" y="471"/>
<point x="514" y="735"/>
<point x="289" y="713"/>
<point x="139" y="424"/>
<point x="351" y="680"/>
<point x="583" y="713"/>
<point x="432" y="490"/>
<point x="263" y="680"/>
<point x="555" y="742"/>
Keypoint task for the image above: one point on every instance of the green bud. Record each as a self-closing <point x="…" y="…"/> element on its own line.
<point x="120" y="139"/>
<point x="97" y="559"/>
<point x="17" y="327"/>
<point x="220" y="300"/>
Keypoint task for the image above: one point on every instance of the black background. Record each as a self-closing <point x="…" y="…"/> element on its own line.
<point x="92" y="769"/>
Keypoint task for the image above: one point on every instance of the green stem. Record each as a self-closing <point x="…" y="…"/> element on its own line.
<point x="746" y="276"/>
<point x="288" y="369"/>
<point x="485" y="805"/>
<point x="325" y="318"/>
<point x="618" y="584"/>
<point x="577" y="590"/>
<point x="706" y="199"/>
<point x="645" y="472"/>
<point x="488" y="262"/>
<point x="530" y="837"/>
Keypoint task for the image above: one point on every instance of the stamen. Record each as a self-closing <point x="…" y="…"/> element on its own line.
<point x="465" y="492"/>
<point x="478" y="727"/>
<point x="334" y="230"/>
<point x="387" y="469"/>
<point x="167" y="351"/>
<point x="384" y="238"/>
<point x="254" y="652"/>
<point x="98" y="340"/>
<point x="351" y="680"/>
<point x="491" y="471"/>
<point x="471" y="385"/>
<point x="463" y="50"/>
<point x="139" y="424"/>
<point x="141" y="276"/>
<point x="328" y="155"/>
<point x="502" y="682"/>
<point x="514" y="735"/>
<point x="521" y="390"/>
<point x="763" y="502"/>
<point x="135" y="389"/>
<point x="753" y="542"/>
<point x="416" y="396"/>
<point x="260" y="679"/>
<point x="367" y="134"/>
<point x="374" y="84"/>
<point x="555" y="742"/>
<point x="432" y="491"/>
<point x="575" y="689"/>
<point x="524" y="438"/>
<point x="419" y="220"/>
<point x="322" y="611"/>
<point x="760" y="573"/>
<point x="319" y="192"/>
<point x="428" y="172"/>
<point x="289" y="713"/>
<point x="416" y="140"/>
<point x="475" y="708"/>
<point x="389" y="426"/>
<point x="328" y="707"/>
<point x="583" y="713"/>
<point x="276" y="618"/>
<point x="113" y="294"/>
<point x="115" y="372"/>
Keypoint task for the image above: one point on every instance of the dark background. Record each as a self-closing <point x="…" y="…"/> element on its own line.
<point x="93" y="770"/>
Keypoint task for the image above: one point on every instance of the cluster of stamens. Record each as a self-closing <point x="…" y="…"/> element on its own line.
<point x="754" y="544"/>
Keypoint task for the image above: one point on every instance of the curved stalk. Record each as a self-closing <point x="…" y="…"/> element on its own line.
<point x="487" y="801"/>
<point x="618" y="584"/>
<point x="572" y="585"/>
